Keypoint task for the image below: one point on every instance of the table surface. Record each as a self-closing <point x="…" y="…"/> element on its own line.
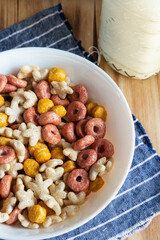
<point x="142" y="95"/>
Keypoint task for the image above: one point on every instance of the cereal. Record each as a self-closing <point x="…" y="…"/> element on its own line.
<point x="83" y="143"/>
<point x="25" y="198"/>
<point x="35" y="147"/>
<point x="68" y="132"/>
<point x="80" y="128"/>
<point x="42" y="155"/>
<point x="16" y="81"/>
<point x="17" y="133"/>
<point x="80" y="93"/>
<point x="99" y="112"/>
<point x="61" y="89"/>
<point x="48" y="210"/>
<point x="37" y="214"/>
<point x="54" y="174"/>
<point x="8" y="204"/>
<point x="14" y="111"/>
<point x="76" y="111"/>
<point x="95" y="127"/>
<point x="60" y="110"/>
<point x="51" y="203"/>
<point x="19" y="149"/>
<point x="49" y="118"/>
<point x="95" y="185"/>
<point x="25" y="221"/>
<point x="26" y="71"/>
<point x="57" y="152"/>
<point x="69" y="166"/>
<point x="3" y="120"/>
<point x="4" y="141"/>
<point x="33" y="138"/>
<point x="71" y="153"/>
<point x="97" y="168"/>
<point x="50" y="220"/>
<point x="3" y="169"/>
<point x="90" y="106"/>
<point x="3" y="82"/>
<point x="15" y="126"/>
<point x="2" y="102"/>
<point x="78" y="180"/>
<point x="14" y="168"/>
<point x="58" y="101"/>
<point x="19" y="184"/>
<point x="13" y="217"/>
<point x="7" y="154"/>
<point x="5" y="186"/>
<point x="44" y="105"/>
<point x="75" y="199"/>
<point x="31" y="167"/>
<point x="31" y="99"/>
<point x="52" y="163"/>
<point x="56" y="74"/>
<point x="104" y="148"/>
<point x="42" y="90"/>
<point x="51" y="134"/>
<point x="31" y="115"/>
<point x="58" y="192"/>
<point x="39" y="75"/>
<point x="9" y="88"/>
<point x="86" y="158"/>
<point x="6" y="132"/>
<point x="69" y="211"/>
<point x="2" y="108"/>
<point x="3" y="217"/>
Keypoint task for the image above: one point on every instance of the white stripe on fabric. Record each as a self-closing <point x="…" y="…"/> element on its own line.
<point x="146" y="160"/>
<point x="139" y="184"/>
<point x="136" y="120"/>
<point x="43" y="34"/>
<point x="71" y="49"/>
<point x="138" y="145"/>
<point x="31" y="25"/>
<point x="115" y="218"/>
<point x="70" y="35"/>
<point x="144" y="135"/>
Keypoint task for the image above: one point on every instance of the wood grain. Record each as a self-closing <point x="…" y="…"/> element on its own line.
<point x="143" y="96"/>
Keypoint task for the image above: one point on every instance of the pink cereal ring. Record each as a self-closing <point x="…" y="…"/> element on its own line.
<point x="95" y="127"/>
<point x="68" y="132"/>
<point x="51" y="134"/>
<point x="80" y="93"/>
<point x="58" y="101"/>
<point x="9" y="88"/>
<point x="31" y="115"/>
<point x="76" y="111"/>
<point x="16" y="81"/>
<point x="13" y="217"/>
<point x="5" y="186"/>
<point x="78" y="180"/>
<point x="7" y="154"/>
<point x="49" y="117"/>
<point x="80" y="128"/>
<point x="15" y="126"/>
<point x="3" y="82"/>
<point x="83" y="142"/>
<point x="43" y="90"/>
<point x="86" y="158"/>
<point x="103" y="147"/>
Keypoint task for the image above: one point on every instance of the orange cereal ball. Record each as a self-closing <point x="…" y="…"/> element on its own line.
<point x="1" y="101"/>
<point x="38" y="145"/>
<point x="42" y="155"/>
<point x="90" y="106"/>
<point x="49" y="211"/>
<point x="31" y="167"/>
<point x="44" y="105"/>
<point x="3" y="120"/>
<point x="95" y="185"/>
<point x="60" y="110"/>
<point x="99" y="112"/>
<point x="37" y="214"/>
<point x="4" y="141"/>
<point x="57" y="74"/>
<point x="69" y="166"/>
<point x="57" y="153"/>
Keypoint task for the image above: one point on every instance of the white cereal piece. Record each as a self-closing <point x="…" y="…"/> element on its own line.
<point x="33" y="133"/>
<point x="61" y="88"/>
<point x="51" y="203"/>
<point x="50" y="220"/>
<point x="71" y="153"/>
<point x="19" y="185"/>
<point x="38" y="186"/>
<point x="3" y="217"/>
<point x="6" y="132"/>
<point x="26" y="198"/>
<point x="4" y="168"/>
<point x="97" y="169"/>
<point x="19" y="149"/>
<point x="23" y="218"/>
<point x="75" y="199"/>
<point x="6" y="104"/>
<point x="31" y="99"/>
<point x="65" y="177"/>
<point x="39" y="75"/>
<point x="14" y="112"/>
<point x="54" y="174"/>
<point x="26" y="71"/>
<point x="61" y="125"/>
<point x="52" y="163"/>
<point x="9" y="203"/>
<point x="69" y="211"/>
<point x="109" y="164"/>
<point x="57" y="191"/>
<point x="17" y="133"/>
<point x="14" y="167"/>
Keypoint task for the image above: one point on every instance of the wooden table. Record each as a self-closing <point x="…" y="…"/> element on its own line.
<point x="142" y="95"/>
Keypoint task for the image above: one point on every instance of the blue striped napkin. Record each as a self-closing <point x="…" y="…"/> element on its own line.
<point x="138" y="201"/>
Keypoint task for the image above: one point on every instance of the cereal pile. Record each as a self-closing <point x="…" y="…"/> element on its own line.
<point x="52" y="148"/>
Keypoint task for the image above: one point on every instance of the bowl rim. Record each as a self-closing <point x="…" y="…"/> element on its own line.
<point x="83" y="60"/>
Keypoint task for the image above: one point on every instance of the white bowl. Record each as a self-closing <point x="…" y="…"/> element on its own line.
<point x="120" y="129"/>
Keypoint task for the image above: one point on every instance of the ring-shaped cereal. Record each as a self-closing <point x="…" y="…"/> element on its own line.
<point x="58" y="101"/>
<point x="68" y="132"/>
<point x="76" y="111"/>
<point x="80" y="93"/>
<point x="31" y="115"/>
<point x="51" y="134"/>
<point x="49" y="117"/>
<point x="5" y="186"/>
<point x="3" y="82"/>
<point x="103" y="147"/>
<point x="95" y="127"/>
<point x="9" y="88"/>
<point x="14" y="216"/>
<point x="78" y="180"/>
<point x="42" y="90"/>
<point x="80" y="128"/>
<point x="16" y="81"/>
<point x="15" y="126"/>
<point x="7" y="154"/>
<point x="83" y="143"/>
<point x="86" y="158"/>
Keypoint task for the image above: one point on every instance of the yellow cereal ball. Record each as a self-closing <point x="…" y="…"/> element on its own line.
<point x="95" y="185"/>
<point x="1" y="101"/>
<point x="31" y="167"/>
<point x="44" y="105"/>
<point x="90" y="106"/>
<point x="69" y="166"/>
<point x="49" y="211"/>
<point x="3" y="120"/>
<point x="99" y="112"/>
<point x="38" y="145"/>
<point x="57" y="153"/>
<point x="37" y="214"/>
<point x="57" y="74"/>
<point x="4" y="141"/>
<point x="42" y="155"/>
<point x="60" y="110"/>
